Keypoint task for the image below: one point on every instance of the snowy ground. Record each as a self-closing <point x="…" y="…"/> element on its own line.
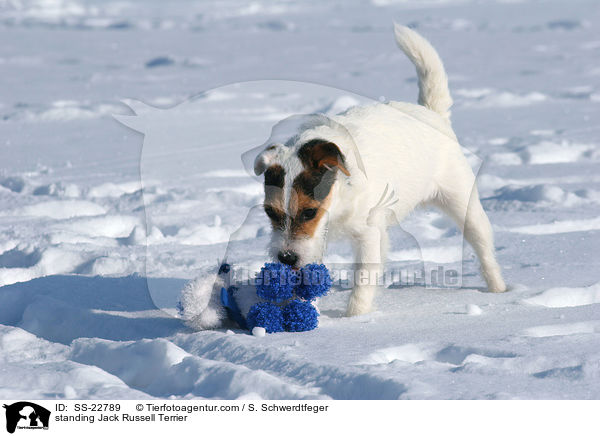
<point x="79" y="319"/>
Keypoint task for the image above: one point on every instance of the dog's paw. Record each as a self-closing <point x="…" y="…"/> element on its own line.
<point x="360" y="302"/>
<point x="498" y="289"/>
<point x="354" y="311"/>
<point x="496" y="285"/>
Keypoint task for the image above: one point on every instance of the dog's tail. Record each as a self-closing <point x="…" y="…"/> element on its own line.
<point x="433" y="82"/>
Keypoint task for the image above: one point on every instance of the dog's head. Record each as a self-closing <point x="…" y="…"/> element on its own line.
<point x="299" y="182"/>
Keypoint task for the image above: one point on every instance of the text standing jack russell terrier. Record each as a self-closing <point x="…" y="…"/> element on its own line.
<point x="328" y="179"/>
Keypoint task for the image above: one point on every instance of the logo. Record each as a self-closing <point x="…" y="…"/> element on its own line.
<point x="26" y="415"/>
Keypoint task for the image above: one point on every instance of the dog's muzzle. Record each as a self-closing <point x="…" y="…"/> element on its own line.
<point x="288" y="257"/>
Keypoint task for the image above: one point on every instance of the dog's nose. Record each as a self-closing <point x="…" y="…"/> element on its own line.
<point x="287" y="257"/>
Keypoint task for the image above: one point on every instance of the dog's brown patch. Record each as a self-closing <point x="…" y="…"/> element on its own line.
<point x="275" y="176"/>
<point x="273" y="205"/>
<point x="315" y="184"/>
<point x="312" y="187"/>
<point x="306" y="213"/>
<point x="319" y="154"/>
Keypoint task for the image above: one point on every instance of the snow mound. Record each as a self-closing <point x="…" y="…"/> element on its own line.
<point x="473" y="310"/>
<point x="109" y="226"/>
<point x="29" y="264"/>
<point x="114" y="189"/>
<point x="505" y="158"/>
<point x="62" y="209"/>
<point x="567" y="297"/>
<point x="565" y="329"/>
<point x="163" y="369"/>
<point x="411" y="353"/>
<point x="15" y="184"/>
<point x="106" y="266"/>
<point x="340" y="105"/>
<point x="36" y="368"/>
<point x="65" y="111"/>
<point x="566" y="226"/>
<point x="547" y="152"/>
<point x="225" y="174"/>
<point x="58" y="189"/>
<point x="490" y="98"/>
<point x="532" y="193"/>
<point x="62" y="308"/>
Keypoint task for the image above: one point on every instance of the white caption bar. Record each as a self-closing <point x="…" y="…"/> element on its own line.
<point x="74" y="417"/>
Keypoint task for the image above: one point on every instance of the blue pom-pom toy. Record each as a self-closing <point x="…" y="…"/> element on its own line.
<point x="289" y="294"/>
<point x="266" y="315"/>
<point x="316" y="282"/>
<point x="300" y="316"/>
<point x="276" y="282"/>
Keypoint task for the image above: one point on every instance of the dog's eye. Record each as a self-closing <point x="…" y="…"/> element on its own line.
<point x="272" y="213"/>
<point x="308" y="214"/>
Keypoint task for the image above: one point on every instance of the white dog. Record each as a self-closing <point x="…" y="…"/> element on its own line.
<point x="334" y="173"/>
<point x="355" y="174"/>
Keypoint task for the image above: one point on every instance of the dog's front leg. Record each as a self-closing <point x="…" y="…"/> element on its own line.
<point x="368" y="268"/>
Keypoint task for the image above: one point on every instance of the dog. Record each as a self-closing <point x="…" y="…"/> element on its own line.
<point x="357" y="173"/>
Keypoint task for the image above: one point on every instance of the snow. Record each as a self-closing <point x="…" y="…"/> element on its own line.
<point x="567" y="297"/>
<point x="103" y="225"/>
<point x="61" y="209"/>
<point x="473" y="310"/>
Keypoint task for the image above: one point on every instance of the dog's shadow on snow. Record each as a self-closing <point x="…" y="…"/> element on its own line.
<point x="63" y="308"/>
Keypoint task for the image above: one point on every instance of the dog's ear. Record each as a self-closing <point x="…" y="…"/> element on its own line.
<point x="321" y="155"/>
<point x="266" y="158"/>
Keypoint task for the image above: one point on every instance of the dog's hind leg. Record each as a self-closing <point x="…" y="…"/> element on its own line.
<point x="459" y="198"/>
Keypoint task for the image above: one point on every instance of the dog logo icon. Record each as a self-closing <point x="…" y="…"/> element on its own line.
<point x="26" y="415"/>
